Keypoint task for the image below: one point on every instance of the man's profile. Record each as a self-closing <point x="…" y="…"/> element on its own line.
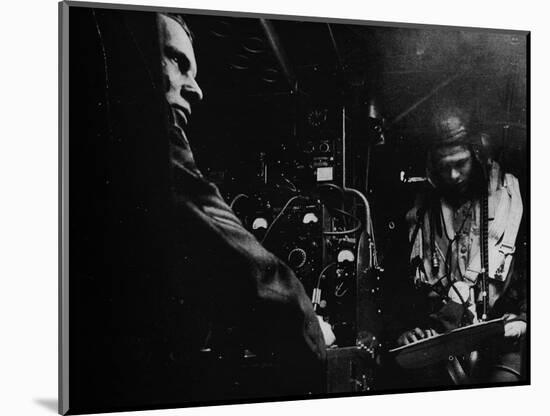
<point x="246" y="290"/>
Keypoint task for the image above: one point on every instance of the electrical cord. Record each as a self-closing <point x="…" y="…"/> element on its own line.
<point x="341" y="211"/>
<point x="369" y="226"/>
<point x="237" y="198"/>
<point x="328" y="266"/>
<point x="293" y="187"/>
<point x="448" y="257"/>
<point x="279" y="215"/>
<point x="356" y="228"/>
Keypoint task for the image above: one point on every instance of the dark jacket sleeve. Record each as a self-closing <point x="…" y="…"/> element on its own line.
<point x="252" y="284"/>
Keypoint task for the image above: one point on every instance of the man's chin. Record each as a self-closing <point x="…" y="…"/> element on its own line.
<point x="461" y="188"/>
<point x="454" y="191"/>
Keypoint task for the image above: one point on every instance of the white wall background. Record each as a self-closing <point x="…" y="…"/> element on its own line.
<point x="28" y="205"/>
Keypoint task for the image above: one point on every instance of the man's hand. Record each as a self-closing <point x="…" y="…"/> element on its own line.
<point x="514" y="328"/>
<point x="313" y="334"/>
<point x="326" y="329"/>
<point x="414" y="335"/>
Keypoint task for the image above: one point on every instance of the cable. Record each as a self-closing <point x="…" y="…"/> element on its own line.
<point x="323" y="271"/>
<point x="345" y="213"/>
<point x="316" y="289"/>
<point x="345" y="232"/>
<point x="357" y="220"/>
<point x="463" y="302"/>
<point x="234" y="200"/>
<point x="449" y="255"/>
<point x="279" y="215"/>
<point x="293" y="187"/>
<point x="369" y="226"/>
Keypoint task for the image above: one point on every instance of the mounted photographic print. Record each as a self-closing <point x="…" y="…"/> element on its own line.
<point x="259" y="208"/>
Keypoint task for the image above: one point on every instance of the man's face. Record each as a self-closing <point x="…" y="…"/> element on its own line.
<point x="453" y="166"/>
<point x="179" y="69"/>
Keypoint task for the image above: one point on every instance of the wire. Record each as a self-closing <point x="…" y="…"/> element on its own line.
<point x="357" y="220"/>
<point x="448" y="259"/>
<point x="328" y="266"/>
<point x="449" y="255"/>
<point x="293" y="187"/>
<point x="463" y="302"/>
<point x="279" y="215"/>
<point x="345" y="232"/>
<point x="347" y="214"/>
<point x="369" y="226"/>
<point x="323" y="272"/>
<point x="234" y="200"/>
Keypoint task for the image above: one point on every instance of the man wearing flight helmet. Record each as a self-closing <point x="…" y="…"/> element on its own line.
<point x="467" y="191"/>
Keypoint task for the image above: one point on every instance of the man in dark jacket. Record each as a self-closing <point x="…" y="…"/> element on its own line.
<point x="224" y="286"/>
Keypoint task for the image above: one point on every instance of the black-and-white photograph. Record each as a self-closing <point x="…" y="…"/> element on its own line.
<point x="260" y="208"/>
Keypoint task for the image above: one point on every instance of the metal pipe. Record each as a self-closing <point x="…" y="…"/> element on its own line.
<point x="369" y="226"/>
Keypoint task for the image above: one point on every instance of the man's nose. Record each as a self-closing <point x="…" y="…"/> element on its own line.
<point x="455" y="174"/>
<point x="191" y="91"/>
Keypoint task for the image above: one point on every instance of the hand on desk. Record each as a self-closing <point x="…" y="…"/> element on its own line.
<point x="414" y="335"/>
<point x="514" y="327"/>
<point x="326" y="329"/>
